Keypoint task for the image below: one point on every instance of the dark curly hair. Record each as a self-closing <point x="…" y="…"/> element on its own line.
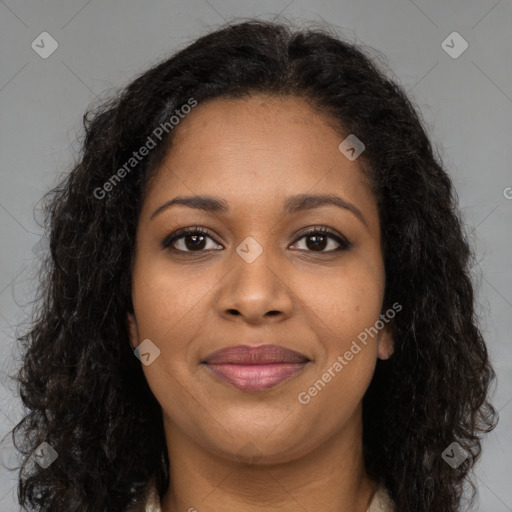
<point x="84" y="391"/>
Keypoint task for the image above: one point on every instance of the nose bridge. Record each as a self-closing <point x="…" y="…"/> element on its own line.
<point x="255" y="266"/>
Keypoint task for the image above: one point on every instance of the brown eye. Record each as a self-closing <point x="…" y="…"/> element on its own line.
<point x="189" y="240"/>
<point x="193" y="242"/>
<point x="317" y="240"/>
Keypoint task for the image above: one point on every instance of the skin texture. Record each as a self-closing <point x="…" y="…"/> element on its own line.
<point x="230" y="449"/>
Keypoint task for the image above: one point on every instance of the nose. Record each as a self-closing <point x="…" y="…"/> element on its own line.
<point x="256" y="292"/>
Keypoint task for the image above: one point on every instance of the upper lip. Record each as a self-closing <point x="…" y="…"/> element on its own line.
<point x="261" y="354"/>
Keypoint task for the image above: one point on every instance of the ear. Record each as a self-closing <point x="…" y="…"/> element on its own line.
<point x="386" y="343"/>
<point x="133" y="331"/>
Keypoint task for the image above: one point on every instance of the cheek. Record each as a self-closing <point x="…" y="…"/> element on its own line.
<point x="168" y="307"/>
<point x="334" y="396"/>
<point x="342" y="306"/>
<point x="343" y="302"/>
<point x="168" y="302"/>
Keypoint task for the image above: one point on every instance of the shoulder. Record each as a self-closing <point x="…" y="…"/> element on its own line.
<point x="151" y="501"/>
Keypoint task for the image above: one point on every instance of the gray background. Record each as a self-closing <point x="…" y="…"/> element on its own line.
<point x="466" y="103"/>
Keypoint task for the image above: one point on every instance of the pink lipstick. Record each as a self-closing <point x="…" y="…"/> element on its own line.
<point x="255" y="368"/>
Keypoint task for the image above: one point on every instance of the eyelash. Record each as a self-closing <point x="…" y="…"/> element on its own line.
<point x="344" y="244"/>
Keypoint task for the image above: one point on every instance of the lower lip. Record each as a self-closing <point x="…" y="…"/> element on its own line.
<point x="255" y="377"/>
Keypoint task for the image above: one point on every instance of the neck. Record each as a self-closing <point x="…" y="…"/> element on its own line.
<point x="330" y="478"/>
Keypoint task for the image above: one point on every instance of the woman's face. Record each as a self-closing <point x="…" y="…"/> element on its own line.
<point x="255" y="277"/>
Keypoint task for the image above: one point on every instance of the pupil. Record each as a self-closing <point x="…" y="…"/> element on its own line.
<point x="316" y="244"/>
<point x="195" y="244"/>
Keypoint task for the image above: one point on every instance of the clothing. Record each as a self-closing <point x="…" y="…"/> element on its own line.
<point x="381" y="501"/>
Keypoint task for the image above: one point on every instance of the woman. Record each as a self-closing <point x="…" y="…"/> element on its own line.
<point x="258" y="296"/>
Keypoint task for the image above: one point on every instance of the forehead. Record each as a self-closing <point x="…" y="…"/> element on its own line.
<point x="286" y="124"/>
<point x="252" y="150"/>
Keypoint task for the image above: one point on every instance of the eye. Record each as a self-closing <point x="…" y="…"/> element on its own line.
<point x="192" y="240"/>
<point x="319" y="238"/>
<point x="196" y="240"/>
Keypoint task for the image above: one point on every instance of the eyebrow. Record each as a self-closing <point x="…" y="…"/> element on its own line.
<point x="293" y="204"/>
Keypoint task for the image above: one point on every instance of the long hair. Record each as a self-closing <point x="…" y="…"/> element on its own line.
<point x="85" y="393"/>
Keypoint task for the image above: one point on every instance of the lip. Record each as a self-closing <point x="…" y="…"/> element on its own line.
<point x="255" y="368"/>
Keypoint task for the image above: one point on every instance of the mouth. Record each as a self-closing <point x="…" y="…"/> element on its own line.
<point x="255" y="368"/>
